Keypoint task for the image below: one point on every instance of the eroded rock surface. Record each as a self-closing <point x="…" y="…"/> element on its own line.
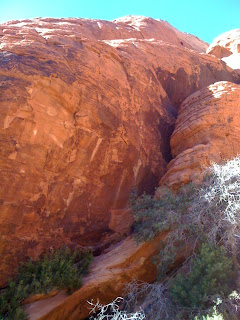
<point x="227" y="48"/>
<point x="87" y="109"/>
<point x="207" y="130"/>
<point x="110" y="273"/>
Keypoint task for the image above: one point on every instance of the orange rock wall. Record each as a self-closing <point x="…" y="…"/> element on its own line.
<point x="207" y="130"/>
<point x="87" y="109"/>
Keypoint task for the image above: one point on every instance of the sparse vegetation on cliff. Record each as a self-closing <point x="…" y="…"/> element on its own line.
<point x="59" y="269"/>
<point x="202" y="223"/>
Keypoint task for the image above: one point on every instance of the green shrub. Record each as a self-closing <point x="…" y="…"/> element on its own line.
<point x="153" y="215"/>
<point x="59" y="269"/>
<point x="166" y="212"/>
<point x="211" y="275"/>
<point x="207" y="213"/>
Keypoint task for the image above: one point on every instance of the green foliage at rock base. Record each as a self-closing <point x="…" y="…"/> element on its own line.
<point x="153" y="215"/>
<point x="211" y="275"/>
<point x="59" y="269"/>
<point x="208" y="213"/>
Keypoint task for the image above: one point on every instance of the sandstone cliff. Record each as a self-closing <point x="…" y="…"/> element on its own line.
<point x="87" y="109"/>
<point x="207" y="126"/>
<point x="207" y="130"/>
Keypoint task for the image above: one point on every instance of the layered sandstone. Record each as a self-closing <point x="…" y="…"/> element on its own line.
<point x="227" y="48"/>
<point x="87" y="109"/>
<point x="207" y="130"/>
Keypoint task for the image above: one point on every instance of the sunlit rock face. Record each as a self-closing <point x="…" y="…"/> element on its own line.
<point x="87" y="109"/>
<point x="110" y="272"/>
<point x="227" y="48"/>
<point x="206" y="131"/>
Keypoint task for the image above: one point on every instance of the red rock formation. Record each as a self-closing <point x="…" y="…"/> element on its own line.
<point x="109" y="274"/>
<point x="207" y="130"/>
<point x="86" y="113"/>
<point x="227" y="48"/>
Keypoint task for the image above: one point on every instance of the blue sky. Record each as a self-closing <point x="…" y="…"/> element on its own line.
<point x="206" y="18"/>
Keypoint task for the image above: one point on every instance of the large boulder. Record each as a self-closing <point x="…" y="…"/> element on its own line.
<point x="227" y="48"/>
<point x="206" y="131"/>
<point x="87" y="109"/>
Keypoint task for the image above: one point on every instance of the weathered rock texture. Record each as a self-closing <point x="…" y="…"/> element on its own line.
<point x="109" y="274"/>
<point x="207" y="130"/>
<point x="227" y="48"/>
<point x="87" y="108"/>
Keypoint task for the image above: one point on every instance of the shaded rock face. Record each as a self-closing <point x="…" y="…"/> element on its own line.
<point x="227" y="48"/>
<point x="87" y="109"/>
<point x="206" y="131"/>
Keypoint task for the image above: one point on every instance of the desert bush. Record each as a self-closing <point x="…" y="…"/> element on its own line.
<point x="59" y="269"/>
<point x="153" y="299"/>
<point x="216" y="209"/>
<point x="10" y="302"/>
<point x="200" y="294"/>
<point x="165" y="212"/>
<point x="153" y="215"/>
<point x="208" y="213"/>
<point x="113" y="311"/>
<point x="210" y="276"/>
<point x="156" y="301"/>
